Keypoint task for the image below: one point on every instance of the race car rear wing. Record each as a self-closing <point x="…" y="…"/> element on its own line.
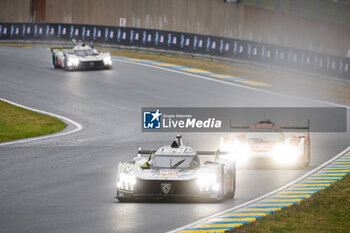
<point x="60" y="48"/>
<point x="145" y="152"/>
<point x="307" y="127"/>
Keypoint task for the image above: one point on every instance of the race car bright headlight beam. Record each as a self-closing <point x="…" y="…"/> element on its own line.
<point x="73" y="61"/>
<point x="237" y="151"/>
<point x="285" y="154"/>
<point x="207" y="182"/>
<point x="126" y="182"/>
<point x="107" y="61"/>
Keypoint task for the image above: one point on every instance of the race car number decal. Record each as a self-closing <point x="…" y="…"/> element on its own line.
<point x="168" y="173"/>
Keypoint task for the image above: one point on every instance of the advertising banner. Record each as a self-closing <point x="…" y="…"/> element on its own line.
<point x="186" y="42"/>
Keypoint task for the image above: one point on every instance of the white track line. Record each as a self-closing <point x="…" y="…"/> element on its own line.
<point x="76" y="124"/>
<point x="263" y="196"/>
<point x="233" y="84"/>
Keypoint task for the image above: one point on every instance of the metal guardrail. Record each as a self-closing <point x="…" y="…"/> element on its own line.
<point x="229" y="48"/>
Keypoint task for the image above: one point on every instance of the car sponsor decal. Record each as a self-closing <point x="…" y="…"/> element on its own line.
<point x="165" y="187"/>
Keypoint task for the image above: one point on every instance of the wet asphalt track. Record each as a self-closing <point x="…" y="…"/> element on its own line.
<point x="67" y="184"/>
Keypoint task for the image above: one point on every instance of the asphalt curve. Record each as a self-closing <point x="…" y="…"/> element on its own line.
<point x="67" y="184"/>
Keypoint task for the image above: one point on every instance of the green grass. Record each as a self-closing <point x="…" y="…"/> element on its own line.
<point x="17" y="123"/>
<point x="326" y="211"/>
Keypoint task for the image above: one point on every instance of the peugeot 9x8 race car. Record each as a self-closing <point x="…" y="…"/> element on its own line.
<point x="176" y="171"/>
<point x="80" y="57"/>
<point x="267" y="142"/>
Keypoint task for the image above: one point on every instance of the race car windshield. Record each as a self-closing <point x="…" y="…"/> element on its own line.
<point x="172" y="162"/>
<point x="80" y="53"/>
<point x="84" y="53"/>
<point x="90" y="53"/>
<point x="265" y="137"/>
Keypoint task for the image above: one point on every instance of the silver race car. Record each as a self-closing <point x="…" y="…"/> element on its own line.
<point x="80" y="57"/>
<point x="176" y="171"/>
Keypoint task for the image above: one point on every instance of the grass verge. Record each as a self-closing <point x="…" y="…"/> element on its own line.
<point x="17" y="123"/>
<point x="326" y="211"/>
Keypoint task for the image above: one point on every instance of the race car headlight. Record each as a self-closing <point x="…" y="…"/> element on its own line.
<point x="227" y="147"/>
<point x="237" y="151"/>
<point x="243" y="151"/>
<point x="285" y="154"/>
<point x="72" y="61"/>
<point x="207" y="182"/>
<point x="107" y="61"/>
<point x="126" y="181"/>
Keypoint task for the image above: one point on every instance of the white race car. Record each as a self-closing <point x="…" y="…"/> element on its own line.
<point x="176" y="171"/>
<point x="266" y="142"/>
<point x="80" y="57"/>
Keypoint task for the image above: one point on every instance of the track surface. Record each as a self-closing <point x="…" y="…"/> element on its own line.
<point x="67" y="184"/>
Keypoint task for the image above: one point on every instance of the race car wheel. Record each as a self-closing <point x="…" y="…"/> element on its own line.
<point x="231" y="193"/>
<point x="54" y="61"/>
<point x="221" y="193"/>
<point x="65" y="65"/>
<point x="123" y="199"/>
<point x="308" y="159"/>
<point x="304" y="160"/>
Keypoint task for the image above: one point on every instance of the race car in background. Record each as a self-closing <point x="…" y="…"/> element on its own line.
<point x="265" y="141"/>
<point x="176" y="171"/>
<point x="80" y="57"/>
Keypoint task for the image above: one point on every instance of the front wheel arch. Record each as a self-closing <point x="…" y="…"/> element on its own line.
<point x="54" y="61"/>
<point x="231" y="193"/>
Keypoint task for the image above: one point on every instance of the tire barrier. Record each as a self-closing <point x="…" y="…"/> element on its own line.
<point x="185" y="42"/>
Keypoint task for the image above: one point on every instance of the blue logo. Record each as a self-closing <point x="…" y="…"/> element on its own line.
<point x="169" y="39"/>
<point x="156" y="38"/>
<point x="83" y="31"/>
<point x="59" y="29"/>
<point x="12" y="30"/>
<point x="71" y="31"/>
<point x="106" y="33"/>
<point x="221" y="46"/>
<point x="144" y="35"/>
<point x="35" y="30"/>
<point x="208" y="44"/>
<point x="94" y="33"/>
<point x="235" y="48"/>
<point x="47" y="30"/>
<point x="23" y="30"/>
<point x="195" y="42"/>
<point x="152" y="120"/>
<point x="131" y="36"/>
<point x="119" y="33"/>
<point x="182" y="41"/>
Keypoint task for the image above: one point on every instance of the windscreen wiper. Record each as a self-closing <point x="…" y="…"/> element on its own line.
<point x="177" y="164"/>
